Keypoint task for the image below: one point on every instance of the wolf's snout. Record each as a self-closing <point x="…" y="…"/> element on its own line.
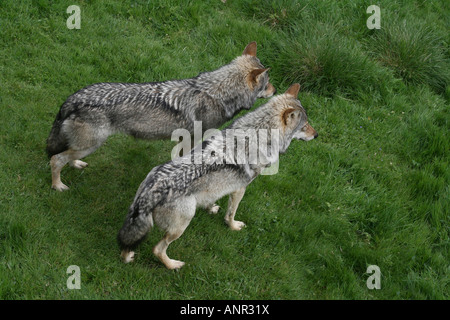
<point x="316" y="135"/>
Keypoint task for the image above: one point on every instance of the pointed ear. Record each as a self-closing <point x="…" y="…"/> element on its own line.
<point x="293" y="90"/>
<point x="289" y="116"/>
<point x="254" y="75"/>
<point x="250" y="49"/>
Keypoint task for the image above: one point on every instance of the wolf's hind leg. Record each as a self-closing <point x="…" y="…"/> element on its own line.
<point x="58" y="161"/>
<point x="177" y="218"/>
<point x="160" y="251"/>
<point x="233" y="204"/>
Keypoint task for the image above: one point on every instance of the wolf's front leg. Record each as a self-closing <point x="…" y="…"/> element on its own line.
<point x="233" y="203"/>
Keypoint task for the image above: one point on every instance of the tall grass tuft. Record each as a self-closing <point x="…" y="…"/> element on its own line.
<point x="327" y="63"/>
<point x="415" y="52"/>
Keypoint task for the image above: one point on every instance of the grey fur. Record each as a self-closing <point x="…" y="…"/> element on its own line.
<point x="153" y="110"/>
<point x="171" y="192"/>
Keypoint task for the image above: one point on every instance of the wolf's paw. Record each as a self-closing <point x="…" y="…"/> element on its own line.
<point x="78" y="164"/>
<point x="173" y="264"/>
<point x="236" y="225"/>
<point x="214" y="209"/>
<point x="127" y="256"/>
<point x="60" y="187"/>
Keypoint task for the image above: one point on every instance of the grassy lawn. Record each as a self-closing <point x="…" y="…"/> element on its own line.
<point x="373" y="189"/>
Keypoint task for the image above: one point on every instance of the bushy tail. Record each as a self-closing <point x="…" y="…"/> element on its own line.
<point x="56" y="142"/>
<point x="139" y="220"/>
<point x="134" y="229"/>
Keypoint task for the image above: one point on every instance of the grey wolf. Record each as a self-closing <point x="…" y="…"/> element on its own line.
<point x="171" y="192"/>
<point x="152" y="110"/>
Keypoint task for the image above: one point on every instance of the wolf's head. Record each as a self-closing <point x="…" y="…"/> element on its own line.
<point x="283" y="112"/>
<point x="294" y="120"/>
<point x="281" y="120"/>
<point x="238" y="84"/>
<point x="256" y="76"/>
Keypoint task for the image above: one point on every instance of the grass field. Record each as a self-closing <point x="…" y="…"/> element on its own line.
<point x="373" y="189"/>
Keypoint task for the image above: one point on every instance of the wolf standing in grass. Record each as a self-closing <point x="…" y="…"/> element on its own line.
<point x="152" y="110"/>
<point x="171" y="192"/>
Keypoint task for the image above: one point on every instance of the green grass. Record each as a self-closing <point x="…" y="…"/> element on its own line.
<point x="372" y="190"/>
